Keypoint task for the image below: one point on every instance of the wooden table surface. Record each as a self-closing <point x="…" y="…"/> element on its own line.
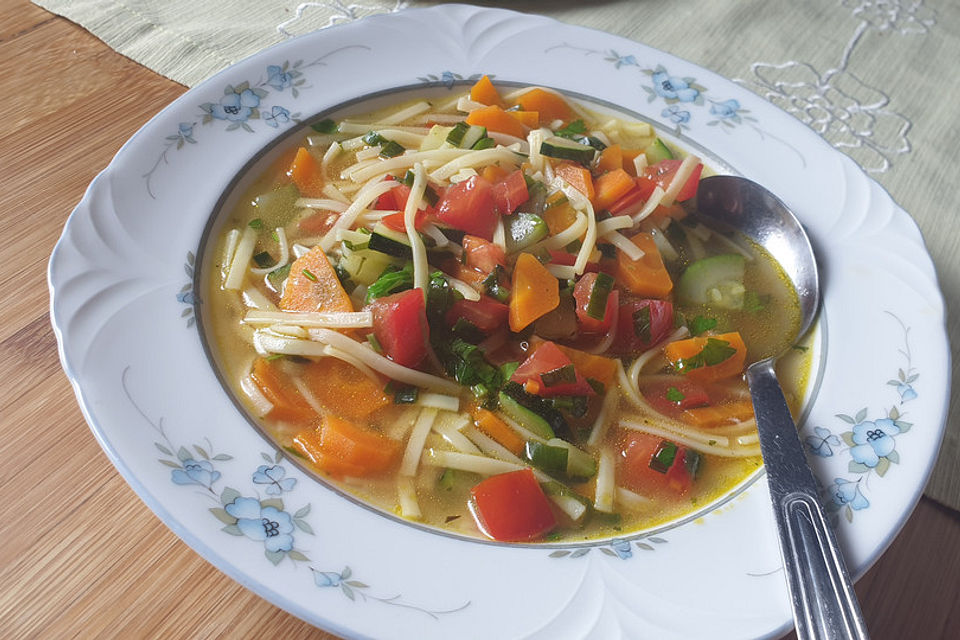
<point x="80" y="555"/>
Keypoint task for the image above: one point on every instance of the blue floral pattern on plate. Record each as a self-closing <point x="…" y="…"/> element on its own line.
<point x="870" y="443"/>
<point x="264" y="521"/>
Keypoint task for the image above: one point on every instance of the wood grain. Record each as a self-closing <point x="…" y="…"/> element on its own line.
<point x="81" y="556"/>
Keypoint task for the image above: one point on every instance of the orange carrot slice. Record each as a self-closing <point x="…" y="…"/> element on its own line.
<point x="610" y="187"/>
<point x="313" y="285"/>
<point x="496" y="119"/>
<point x="288" y="404"/>
<point x="485" y="93"/>
<point x="535" y="292"/>
<point x="646" y="276"/>
<point x="493" y="426"/>
<point x="610" y="158"/>
<point x="306" y="173"/>
<point x="344" y="390"/>
<point x="549" y="105"/>
<point x="683" y="354"/>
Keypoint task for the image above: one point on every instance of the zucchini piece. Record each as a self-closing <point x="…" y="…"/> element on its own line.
<point x="580" y="465"/>
<point x="716" y="281"/>
<point x="523" y="229"/>
<point x="547" y="457"/>
<point x="364" y="266"/>
<point x="566" y="149"/>
<point x="390" y="242"/>
<point x="658" y="151"/>
<point x="465" y="135"/>
<point x="532" y="412"/>
<point x="278" y="207"/>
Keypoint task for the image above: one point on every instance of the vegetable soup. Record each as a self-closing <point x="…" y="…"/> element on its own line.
<point x="495" y="314"/>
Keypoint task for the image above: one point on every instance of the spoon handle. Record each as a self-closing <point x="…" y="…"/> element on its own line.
<point x="825" y="605"/>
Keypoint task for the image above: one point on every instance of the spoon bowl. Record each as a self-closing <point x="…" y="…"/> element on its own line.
<point x="824" y="603"/>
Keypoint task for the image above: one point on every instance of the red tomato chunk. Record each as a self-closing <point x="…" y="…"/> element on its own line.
<point x="400" y="326"/>
<point x="512" y="507"/>
<point x="470" y="206"/>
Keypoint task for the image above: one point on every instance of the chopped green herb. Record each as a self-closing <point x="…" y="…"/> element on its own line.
<point x="273" y="356"/>
<point x="391" y="149"/>
<point x="701" y="324"/>
<point x="561" y="375"/>
<point x="325" y="126"/>
<point x="405" y="395"/>
<point x="663" y="459"/>
<point x="675" y="395"/>
<point x="309" y="275"/>
<point x="598" y="387"/>
<point x="374" y="138"/>
<point x="713" y="353"/>
<point x="493" y="288"/>
<point x="642" y="326"/>
<point x="597" y="304"/>
<point x="273" y="234"/>
<point x="507" y="369"/>
<point x="256" y="223"/>
<point x="575" y="128"/>
<point x="392" y="280"/>
<point x="263" y="259"/>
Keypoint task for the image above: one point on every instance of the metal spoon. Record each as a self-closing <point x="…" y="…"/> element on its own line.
<point x="824" y="603"/>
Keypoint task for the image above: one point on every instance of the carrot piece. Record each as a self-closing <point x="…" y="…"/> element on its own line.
<point x="646" y="276"/>
<point x="610" y="187"/>
<point x="306" y="174"/>
<point x="628" y="156"/>
<point x="588" y="365"/>
<point x="343" y="389"/>
<point x="559" y="217"/>
<point x="313" y="285"/>
<point x="549" y="105"/>
<point x="578" y="177"/>
<point x="494" y="173"/>
<point x="681" y="352"/>
<point x="535" y="292"/>
<point x="529" y="119"/>
<point x="731" y="412"/>
<point x="307" y="442"/>
<point x="493" y="426"/>
<point x="610" y="158"/>
<point x="496" y="119"/>
<point x="344" y="448"/>
<point x="288" y="404"/>
<point x="485" y="93"/>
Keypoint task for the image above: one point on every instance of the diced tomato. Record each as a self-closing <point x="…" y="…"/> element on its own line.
<point x="511" y="192"/>
<point x="582" y="292"/>
<point x="687" y="395"/>
<point x="482" y="255"/>
<point x="400" y="326"/>
<point x="661" y="175"/>
<point x="396" y="222"/>
<point x="485" y="314"/>
<point x="470" y="206"/>
<point x="393" y="200"/>
<point x="634" y="470"/>
<point x="512" y="507"/>
<point x="548" y="357"/>
<point x="661" y="323"/>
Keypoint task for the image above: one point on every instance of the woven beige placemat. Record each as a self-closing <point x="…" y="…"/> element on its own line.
<point x="876" y="78"/>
